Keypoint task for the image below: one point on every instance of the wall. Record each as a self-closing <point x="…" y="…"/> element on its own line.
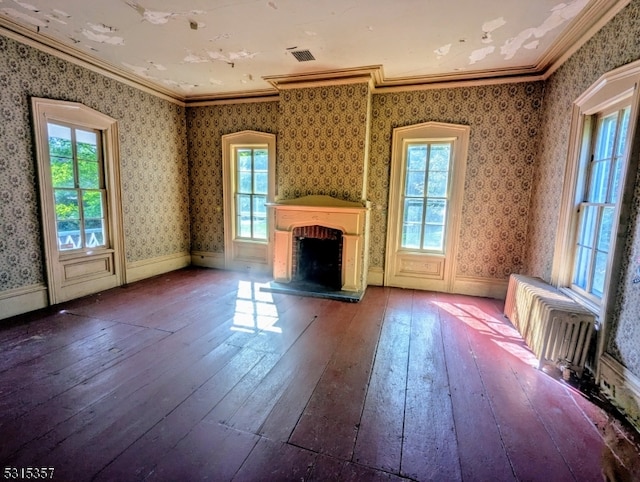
<point x="206" y="126"/>
<point x="614" y="45"/>
<point x="322" y="139"/>
<point x="504" y="121"/>
<point x="152" y="154"/>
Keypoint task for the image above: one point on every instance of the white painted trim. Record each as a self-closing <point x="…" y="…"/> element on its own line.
<point x="49" y="110"/>
<point x="375" y="276"/>
<point x="152" y="267"/>
<point x="207" y="259"/>
<point x="22" y="300"/>
<point x="233" y="247"/>
<point x="610" y="89"/>
<point x="458" y="135"/>
<point x="485" y="287"/>
<point x="621" y="386"/>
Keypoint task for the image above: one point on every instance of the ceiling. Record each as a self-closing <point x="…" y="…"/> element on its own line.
<point x="199" y="49"/>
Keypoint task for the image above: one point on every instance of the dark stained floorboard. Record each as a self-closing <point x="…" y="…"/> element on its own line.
<point x="200" y="375"/>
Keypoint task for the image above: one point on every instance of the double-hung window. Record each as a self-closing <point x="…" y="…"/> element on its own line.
<point x="252" y="185"/>
<point x="248" y="171"/>
<point x="78" y="186"/>
<point x="600" y="197"/>
<point x="426" y="195"/>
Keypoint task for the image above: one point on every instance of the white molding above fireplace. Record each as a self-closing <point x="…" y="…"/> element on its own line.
<point x="351" y="218"/>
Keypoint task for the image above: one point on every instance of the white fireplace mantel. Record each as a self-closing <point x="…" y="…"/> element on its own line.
<point x="352" y="218"/>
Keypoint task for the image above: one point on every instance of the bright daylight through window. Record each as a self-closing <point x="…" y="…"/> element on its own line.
<point x="78" y="186"/>
<point x="598" y="207"/>
<point x="425" y="199"/>
<point x="252" y="177"/>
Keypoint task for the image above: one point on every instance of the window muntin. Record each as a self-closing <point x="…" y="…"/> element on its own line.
<point x="599" y="205"/>
<point x="425" y="196"/>
<point x="75" y="156"/>
<point x="252" y="186"/>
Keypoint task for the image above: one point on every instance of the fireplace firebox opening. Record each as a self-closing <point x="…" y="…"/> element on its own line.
<point x="317" y="256"/>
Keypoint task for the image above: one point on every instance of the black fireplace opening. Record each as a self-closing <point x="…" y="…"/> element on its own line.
<point x="319" y="261"/>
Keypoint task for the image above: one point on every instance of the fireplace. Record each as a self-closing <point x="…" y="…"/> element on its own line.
<point x="322" y="240"/>
<point x="317" y="256"/>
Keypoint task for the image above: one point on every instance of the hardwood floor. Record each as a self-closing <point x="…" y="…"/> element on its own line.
<point x="198" y="374"/>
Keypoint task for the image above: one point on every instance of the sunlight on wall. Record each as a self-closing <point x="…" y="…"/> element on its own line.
<point x="255" y="310"/>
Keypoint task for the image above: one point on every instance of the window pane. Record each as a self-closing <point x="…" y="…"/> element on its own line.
<point x="92" y="204"/>
<point x="437" y="186"/>
<point x="413" y="211"/>
<point x="244" y="182"/>
<point x="244" y="159"/>
<point x="412" y="223"/>
<point x="62" y="172"/>
<point x="94" y="232"/>
<point x="599" y="273"/>
<point x="415" y="183"/>
<point x="259" y="217"/>
<point x="436" y="210"/>
<point x="417" y="157"/>
<point x="599" y="182"/>
<point x="439" y="158"/>
<point x="433" y="237"/>
<point x="604" y="232"/>
<point x="87" y="145"/>
<point x="587" y="225"/>
<point x="411" y="235"/>
<point x="260" y="185"/>
<point x="243" y="218"/>
<point x="624" y="129"/>
<point x="261" y="159"/>
<point x="66" y="204"/>
<point x="615" y="182"/>
<point x="582" y="267"/>
<point x="59" y="141"/>
<point x="606" y="135"/>
<point x="89" y="174"/>
<point x="69" y="235"/>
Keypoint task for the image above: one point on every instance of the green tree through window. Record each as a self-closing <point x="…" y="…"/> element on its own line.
<point x="78" y="186"/>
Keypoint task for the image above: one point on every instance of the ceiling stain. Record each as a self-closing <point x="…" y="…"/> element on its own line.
<point x="442" y="51"/>
<point x="480" y="54"/>
<point x="560" y="14"/>
<point x="160" y="18"/>
<point x="102" y="38"/>
<point x="13" y="13"/>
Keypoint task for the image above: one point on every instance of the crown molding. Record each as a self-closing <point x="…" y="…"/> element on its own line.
<point x="599" y="13"/>
<point x="371" y="74"/>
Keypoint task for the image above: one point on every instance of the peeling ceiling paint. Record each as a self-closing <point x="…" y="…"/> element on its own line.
<point x="199" y="47"/>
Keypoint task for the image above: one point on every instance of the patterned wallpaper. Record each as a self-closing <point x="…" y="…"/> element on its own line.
<point x="206" y="126"/>
<point x="614" y="45"/>
<point x="504" y="122"/>
<point x="153" y="160"/>
<point x="322" y="139"/>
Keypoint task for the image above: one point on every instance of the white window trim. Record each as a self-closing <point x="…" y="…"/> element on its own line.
<point x="60" y="287"/>
<point x="245" y="253"/>
<point x="612" y="88"/>
<point x="441" y="263"/>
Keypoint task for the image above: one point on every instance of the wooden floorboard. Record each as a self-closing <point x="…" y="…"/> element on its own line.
<point x="198" y="374"/>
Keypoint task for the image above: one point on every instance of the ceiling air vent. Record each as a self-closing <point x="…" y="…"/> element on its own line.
<point x="303" y="55"/>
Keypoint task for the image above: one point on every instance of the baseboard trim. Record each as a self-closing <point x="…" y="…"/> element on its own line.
<point x="207" y="259"/>
<point x="22" y="300"/>
<point x="147" y="268"/>
<point x="486" y="287"/>
<point x="621" y="387"/>
<point x="375" y="276"/>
